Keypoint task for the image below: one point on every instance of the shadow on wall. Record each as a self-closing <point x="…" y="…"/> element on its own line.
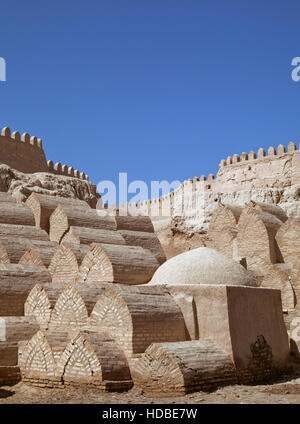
<point x="6" y="393"/>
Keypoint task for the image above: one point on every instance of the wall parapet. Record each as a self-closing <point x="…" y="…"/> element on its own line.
<point x="65" y="170"/>
<point x="25" y="138"/>
<point x="237" y="172"/>
<point x="272" y="153"/>
<point x="25" y="154"/>
<point x="173" y="202"/>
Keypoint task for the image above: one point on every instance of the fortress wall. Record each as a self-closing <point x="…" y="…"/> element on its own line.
<point x="274" y="169"/>
<point x="25" y="154"/>
<point x="66" y="170"/>
<point x="180" y="201"/>
<point x="296" y="168"/>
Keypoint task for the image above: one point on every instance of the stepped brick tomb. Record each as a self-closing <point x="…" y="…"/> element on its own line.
<point x="192" y="291"/>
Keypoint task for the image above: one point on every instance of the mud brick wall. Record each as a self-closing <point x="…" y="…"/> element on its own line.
<point x="117" y="264"/>
<point x="53" y="358"/>
<point x="174" y="369"/>
<point x="16" y="283"/>
<point x="22" y="153"/>
<point x="137" y="316"/>
<point x="9" y="375"/>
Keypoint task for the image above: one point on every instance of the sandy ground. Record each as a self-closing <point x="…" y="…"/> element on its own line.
<point x="281" y="392"/>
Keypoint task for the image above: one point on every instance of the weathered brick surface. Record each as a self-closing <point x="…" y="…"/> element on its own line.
<point x="222" y="230"/>
<point x="22" y="155"/>
<point x="256" y="237"/>
<point x="43" y="206"/>
<point x="288" y="239"/>
<point x="234" y="317"/>
<point x="272" y="209"/>
<point x="6" y="197"/>
<point x="145" y="240"/>
<point x="172" y="369"/>
<point x="23" y="231"/>
<point x="19" y="214"/>
<point x="82" y="235"/>
<point x="137" y="316"/>
<point x="79" y="329"/>
<point x="65" y="262"/>
<point x="66" y="216"/>
<point x="117" y="263"/>
<point x="74" y="306"/>
<point x="53" y="359"/>
<point x="26" y="252"/>
<point x="16" y="281"/>
<point x="13" y="330"/>
<point x="9" y="375"/>
<point x="57" y="304"/>
<point x="134" y="223"/>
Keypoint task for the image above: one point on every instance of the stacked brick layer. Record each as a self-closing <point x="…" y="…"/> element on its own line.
<point x="76" y="309"/>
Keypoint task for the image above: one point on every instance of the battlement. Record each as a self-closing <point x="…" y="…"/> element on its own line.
<point x="261" y="155"/>
<point x="171" y="203"/>
<point x="272" y="168"/>
<point x="66" y="170"/>
<point x="25" y="154"/>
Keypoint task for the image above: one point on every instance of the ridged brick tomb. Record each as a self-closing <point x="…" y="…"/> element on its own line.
<point x="42" y="206"/>
<point x="144" y="239"/>
<point x="222" y="231"/>
<point x="64" y="264"/>
<point x="175" y="369"/>
<point x="55" y="358"/>
<point x="65" y="216"/>
<point x="25" y="251"/>
<point x="82" y="235"/>
<point x="23" y="231"/>
<point x="12" y="330"/>
<point x="137" y="316"/>
<point x="86" y="297"/>
<point x="15" y="213"/>
<point x="74" y="306"/>
<point x="111" y="263"/>
<point x="16" y="283"/>
<point x="57" y="304"/>
<point x="220" y="301"/>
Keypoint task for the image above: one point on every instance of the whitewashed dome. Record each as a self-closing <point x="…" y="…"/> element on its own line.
<point x="202" y="266"/>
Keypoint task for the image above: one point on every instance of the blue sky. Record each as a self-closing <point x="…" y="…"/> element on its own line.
<point x="159" y="89"/>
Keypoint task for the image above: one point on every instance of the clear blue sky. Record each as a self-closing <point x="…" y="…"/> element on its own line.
<point x="159" y="89"/>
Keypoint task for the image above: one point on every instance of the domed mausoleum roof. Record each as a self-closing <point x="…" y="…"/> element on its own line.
<point x="202" y="266"/>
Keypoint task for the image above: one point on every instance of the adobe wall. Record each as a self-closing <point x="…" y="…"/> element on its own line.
<point x="26" y="154"/>
<point x="22" y="153"/>
<point x="225" y="314"/>
<point x="248" y="171"/>
<point x="261" y="177"/>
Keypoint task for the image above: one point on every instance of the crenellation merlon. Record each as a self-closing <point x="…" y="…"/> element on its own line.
<point x="25" y="153"/>
<point x="274" y="168"/>
<point x="261" y="154"/>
